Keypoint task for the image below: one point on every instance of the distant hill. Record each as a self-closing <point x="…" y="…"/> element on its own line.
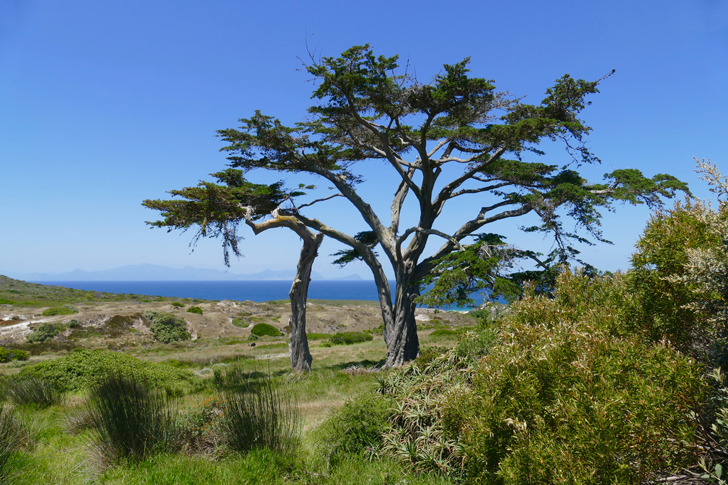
<point x="151" y="272"/>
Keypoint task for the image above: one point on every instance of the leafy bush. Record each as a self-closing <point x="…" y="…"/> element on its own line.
<point x="178" y="304"/>
<point x="195" y="309"/>
<point x="51" y="312"/>
<point x="12" y="437"/>
<point x="239" y="322"/>
<point x="259" y="416"/>
<point x="265" y="329"/>
<point x="356" y="427"/>
<point x="10" y="355"/>
<point x="5" y="301"/>
<point x="42" y="333"/>
<point x="82" y="369"/>
<point x="128" y="419"/>
<point x="34" y="391"/>
<point x="73" y="324"/>
<point x="562" y="399"/>
<point x="167" y="327"/>
<point x="348" y="338"/>
<point x="443" y="334"/>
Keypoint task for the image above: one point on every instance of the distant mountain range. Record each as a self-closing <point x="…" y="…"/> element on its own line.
<point x="151" y="272"/>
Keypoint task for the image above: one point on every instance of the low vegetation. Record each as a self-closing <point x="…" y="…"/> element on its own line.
<point x="8" y="355"/>
<point x="195" y="309"/>
<point x="42" y="333"/>
<point x="166" y="327"/>
<point x="265" y="330"/>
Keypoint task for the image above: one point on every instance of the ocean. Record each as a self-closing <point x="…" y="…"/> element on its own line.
<point x="230" y="290"/>
<point x="257" y="291"/>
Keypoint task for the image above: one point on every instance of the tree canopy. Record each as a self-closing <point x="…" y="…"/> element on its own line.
<point x="366" y="110"/>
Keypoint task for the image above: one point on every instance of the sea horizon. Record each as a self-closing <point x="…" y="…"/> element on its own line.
<point x="238" y="290"/>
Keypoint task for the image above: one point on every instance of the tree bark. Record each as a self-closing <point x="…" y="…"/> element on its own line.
<point x="298" y="344"/>
<point x="403" y="345"/>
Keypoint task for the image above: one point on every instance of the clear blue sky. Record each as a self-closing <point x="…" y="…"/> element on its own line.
<point x="106" y="103"/>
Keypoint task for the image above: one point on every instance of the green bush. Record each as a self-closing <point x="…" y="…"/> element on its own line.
<point x="562" y="399"/>
<point x="33" y="391"/>
<point x="42" y="333"/>
<point x="348" y="338"/>
<point x="259" y="416"/>
<point x="73" y="324"/>
<point x="128" y="419"/>
<point x="356" y="427"/>
<point x="443" y="334"/>
<point x="51" y="312"/>
<point x="82" y="369"/>
<point x="178" y="304"/>
<point x="242" y="323"/>
<point x="195" y="309"/>
<point x="10" y="355"/>
<point x="5" y="301"/>
<point x="265" y="329"/>
<point x="167" y="327"/>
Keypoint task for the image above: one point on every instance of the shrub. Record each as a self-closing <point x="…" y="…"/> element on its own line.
<point x="51" y="312"/>
<point x="5" y="301"/>
<point x="34" y="391"/>
<point x="42" y="333"/>
<point x="10" y="355"/>
<point x="563" y="400"/>
<point x="128" y="419"/>
<point x="82" y="369"/>
<point x="73" y="324"/>
<point x="265" y="329"/>
<point x="348" y="338"/>
<point x="12" y="436"/>
<point x="167" y="327"/>
<point x="356" y="427"/>
<point x="195" y="309"/>
<point x="259" y="416"/>
<point x="178" y="304"/>
<point x="443" y="334"/>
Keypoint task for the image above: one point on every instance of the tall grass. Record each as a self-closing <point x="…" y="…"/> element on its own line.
<point x="259" y="415"/>
<point x="34" y="391"/>
<point x="11" y="437"/>
<point x="129" y="420"/>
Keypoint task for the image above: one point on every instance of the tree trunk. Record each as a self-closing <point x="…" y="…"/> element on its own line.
<point x="403" y="344"/>
<point x="298" y="344"/>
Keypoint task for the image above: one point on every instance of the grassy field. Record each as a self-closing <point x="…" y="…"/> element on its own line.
<point x="61" y="448"/>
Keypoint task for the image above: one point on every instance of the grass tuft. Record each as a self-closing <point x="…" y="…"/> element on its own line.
<point x="129" y="420"/>
<point x="33" y="391"/>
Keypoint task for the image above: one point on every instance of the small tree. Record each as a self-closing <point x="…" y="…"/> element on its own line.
<point x="217" y="210"/>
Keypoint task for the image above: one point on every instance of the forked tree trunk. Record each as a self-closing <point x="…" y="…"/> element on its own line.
<point x="403" y="344"/>
<point x="298" y="344"/>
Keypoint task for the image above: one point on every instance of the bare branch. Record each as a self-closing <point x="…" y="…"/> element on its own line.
<point x="478" y="190"/>
<point x="318" y="200"/>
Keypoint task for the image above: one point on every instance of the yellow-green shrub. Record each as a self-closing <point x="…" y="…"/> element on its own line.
<point x="566" y="397"/>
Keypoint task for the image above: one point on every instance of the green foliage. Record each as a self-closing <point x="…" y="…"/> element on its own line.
<point x="82" y="369"/>
<point x="563" y="398"/>
<point x="258" y="415"/>
<point x="129" y="420"/>
<point x="42" y="333"/>
<point x="167" y="327"/>
<point x="195" y="309"/>
<point x="317" y="336"/>
<point x="241" y="322"/>
<point x="5" y="301"/>
<point x="50" y="312"/>
<point x="349" y="338"/>
<point x="717" y="434"/>
<point x="12" y="437"/>
<point x="355" y="428"/>
<point x="73" y="324"/>
<point x="12" y="354"/>
<point x="177" y="304"/>
<point x="34" y="391"/>
<point x="666" y="297"/>
<point x="265" y="329"/>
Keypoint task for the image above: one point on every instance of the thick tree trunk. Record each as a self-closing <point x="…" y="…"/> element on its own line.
<point x="298" y="344"/>
<point x="403" y="344"/>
